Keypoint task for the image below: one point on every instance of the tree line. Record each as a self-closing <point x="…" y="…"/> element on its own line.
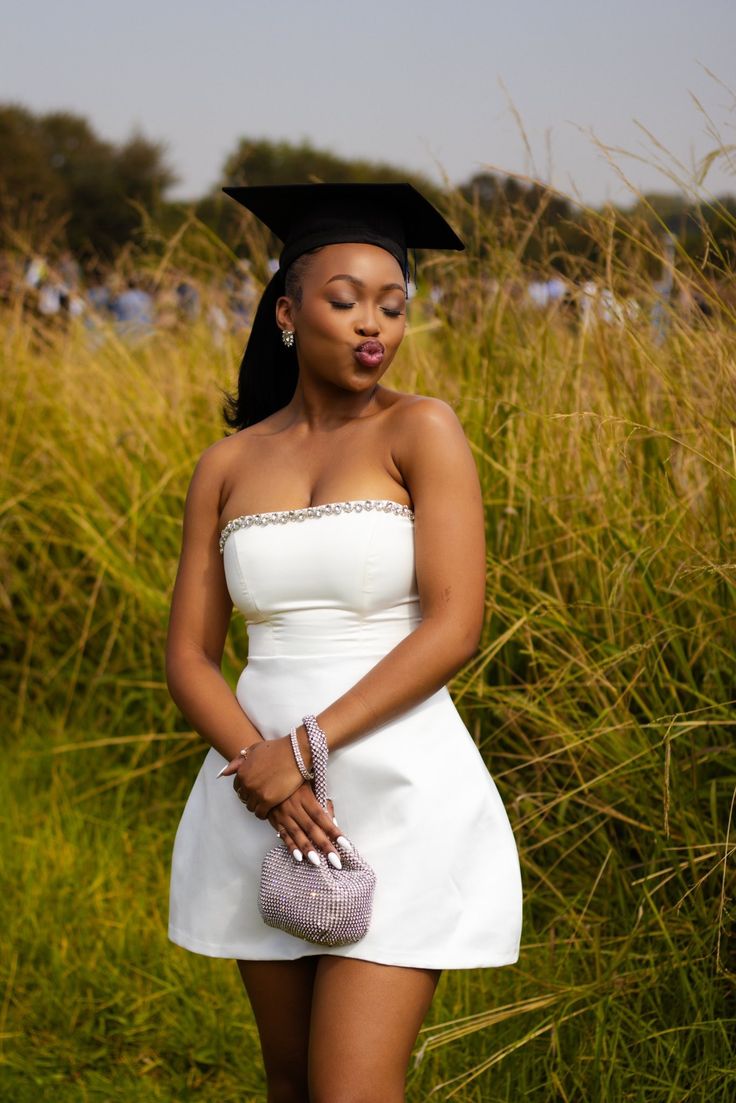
<point x="63" y="186"/>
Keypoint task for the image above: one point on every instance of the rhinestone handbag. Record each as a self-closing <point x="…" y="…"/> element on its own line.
<point x="331" y="907"/>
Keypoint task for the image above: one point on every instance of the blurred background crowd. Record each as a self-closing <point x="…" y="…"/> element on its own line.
<point x="88" y="236"/>
<point x="62" y="291"/>
<point x="132" y="305"/>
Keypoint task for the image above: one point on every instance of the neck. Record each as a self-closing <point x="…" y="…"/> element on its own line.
<point x="322" y="407"/>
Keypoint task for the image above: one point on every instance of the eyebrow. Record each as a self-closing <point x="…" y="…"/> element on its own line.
<point x="360" y="283"/>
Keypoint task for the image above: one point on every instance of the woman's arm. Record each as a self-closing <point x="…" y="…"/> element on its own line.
<point x="199" y="617"/>
<point x="200" y="613"/>
<point x="435" y="460"/>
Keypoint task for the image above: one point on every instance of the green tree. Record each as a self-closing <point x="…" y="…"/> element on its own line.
<point x="259" y="161"/>
<point x="62" y="185"/>
<point x="503" y="205"/>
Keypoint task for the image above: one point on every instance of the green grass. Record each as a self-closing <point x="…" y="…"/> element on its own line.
<point x="602" y="698"/>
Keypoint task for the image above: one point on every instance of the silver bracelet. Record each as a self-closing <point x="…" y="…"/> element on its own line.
<point x="320" y="751"/>
<point x="308" y="775"/>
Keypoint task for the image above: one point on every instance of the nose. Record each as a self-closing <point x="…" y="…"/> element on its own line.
<point x="367" y="325"/>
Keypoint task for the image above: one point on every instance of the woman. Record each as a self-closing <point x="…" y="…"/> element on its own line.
<point x="344" y="520"/>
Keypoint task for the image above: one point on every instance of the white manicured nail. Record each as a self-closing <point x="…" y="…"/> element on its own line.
<point x="333" y="859"/>
<point x="344" y="842"/>
<point x="313" y="857"/>
<point x="297" y="855"/>
<point x="222" y="771"/>
<point x="334" y="821"/>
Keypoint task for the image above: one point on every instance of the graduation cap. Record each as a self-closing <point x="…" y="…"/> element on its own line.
<point x="395" y="217"/>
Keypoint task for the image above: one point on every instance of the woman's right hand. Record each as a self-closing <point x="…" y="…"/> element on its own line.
<point x="307" y="829"/>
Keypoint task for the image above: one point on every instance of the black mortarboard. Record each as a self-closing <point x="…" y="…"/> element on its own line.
<point x="396" y="217"/>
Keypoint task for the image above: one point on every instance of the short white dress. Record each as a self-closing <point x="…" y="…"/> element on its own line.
<point x="326" y="592"/>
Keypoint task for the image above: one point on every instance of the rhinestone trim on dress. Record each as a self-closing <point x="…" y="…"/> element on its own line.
<point x="282" y="516"/>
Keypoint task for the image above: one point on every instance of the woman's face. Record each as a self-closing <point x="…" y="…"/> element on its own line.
<point x="351" y="317"/>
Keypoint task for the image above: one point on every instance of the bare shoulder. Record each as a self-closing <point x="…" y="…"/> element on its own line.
<point x="216" y="457"/>
<point x="433" y="454"/>
<point x="221" y="452"/>
<point x="211" y="469"/>
<point x="418" y="413"/>
<point x="422" y="421"/>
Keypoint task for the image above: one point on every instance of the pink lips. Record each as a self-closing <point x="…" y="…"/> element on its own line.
<point x="370" y="353"/>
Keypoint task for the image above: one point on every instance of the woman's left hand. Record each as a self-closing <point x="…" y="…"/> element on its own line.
<point x="266" y="776"/>
<point x="307" y="829"/>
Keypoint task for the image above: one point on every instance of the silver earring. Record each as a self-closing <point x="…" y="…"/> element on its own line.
<point x="287" y="336"/>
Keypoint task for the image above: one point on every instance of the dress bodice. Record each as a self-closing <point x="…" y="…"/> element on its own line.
<point x="324" y="579"/>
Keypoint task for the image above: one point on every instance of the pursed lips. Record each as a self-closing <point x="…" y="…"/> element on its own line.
<point x="370" y="347"/>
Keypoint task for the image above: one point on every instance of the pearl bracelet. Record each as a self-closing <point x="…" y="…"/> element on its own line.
<point x="308" y="775"/>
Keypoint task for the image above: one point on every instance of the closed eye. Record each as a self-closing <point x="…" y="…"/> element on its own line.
<point x="339" y="305"/>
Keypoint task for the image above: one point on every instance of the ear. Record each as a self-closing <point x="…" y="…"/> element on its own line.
<point x="284" y="313"/>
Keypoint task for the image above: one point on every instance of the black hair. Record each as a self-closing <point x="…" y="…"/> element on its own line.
<point x="268" y="370"/>
<point x="295" y="274"/>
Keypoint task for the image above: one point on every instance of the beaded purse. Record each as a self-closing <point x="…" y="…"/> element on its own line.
<point x="331" y="907"/>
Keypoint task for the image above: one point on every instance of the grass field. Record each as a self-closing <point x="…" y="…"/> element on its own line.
<point x="602" y="698"/>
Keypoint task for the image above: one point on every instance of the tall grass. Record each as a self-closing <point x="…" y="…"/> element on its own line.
<point x="602" y="698"/>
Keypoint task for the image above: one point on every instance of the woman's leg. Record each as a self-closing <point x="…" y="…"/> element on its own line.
<point x="280" y="993"/>
<point x="365" y="1021"/>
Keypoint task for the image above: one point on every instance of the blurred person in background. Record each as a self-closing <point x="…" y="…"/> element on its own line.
<point x="133" y="310"/>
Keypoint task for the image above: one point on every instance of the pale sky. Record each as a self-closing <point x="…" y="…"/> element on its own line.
<point x="428" y="85"/>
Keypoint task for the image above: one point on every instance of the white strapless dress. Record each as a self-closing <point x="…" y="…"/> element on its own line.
<point x="326" y="592"/>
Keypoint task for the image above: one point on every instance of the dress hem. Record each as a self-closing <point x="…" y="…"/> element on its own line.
<point x="208" y="949"/>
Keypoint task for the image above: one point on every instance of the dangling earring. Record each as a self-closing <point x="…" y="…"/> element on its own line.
<point x="287" y="336"/>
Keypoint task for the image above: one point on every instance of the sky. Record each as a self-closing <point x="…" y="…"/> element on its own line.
<point x="598" y="100"/>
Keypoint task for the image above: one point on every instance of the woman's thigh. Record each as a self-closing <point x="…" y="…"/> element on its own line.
<point x="365" y="1021"/>
<point x="280" y="993"/>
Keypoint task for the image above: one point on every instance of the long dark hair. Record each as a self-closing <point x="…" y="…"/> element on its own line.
<point x="268" y="371"/>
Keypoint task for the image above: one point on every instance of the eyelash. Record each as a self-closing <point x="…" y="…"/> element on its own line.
<point x="347" y="306"/>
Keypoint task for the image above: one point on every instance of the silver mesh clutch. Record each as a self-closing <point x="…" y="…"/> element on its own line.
<point x="331" y="907"/>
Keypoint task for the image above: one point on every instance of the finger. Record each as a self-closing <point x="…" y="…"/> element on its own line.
<point x="331" y="812"/>
<point x="322" y="834"/>
<point x="249" y="800"/>
<point x="324" y="819"/>
<point x="340" y="838"/>
<point x="230" y="768"/>
<point x="303" y="842"/>
<point x="289" y="842"/>
<point x="333" y="828"/>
